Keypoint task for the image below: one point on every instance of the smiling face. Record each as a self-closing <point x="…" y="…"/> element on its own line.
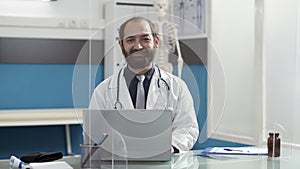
<point x="138" y="45"/>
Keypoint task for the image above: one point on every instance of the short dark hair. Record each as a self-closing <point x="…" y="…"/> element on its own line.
<point x="151" y="24"/>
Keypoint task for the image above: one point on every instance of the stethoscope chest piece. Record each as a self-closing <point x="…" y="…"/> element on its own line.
<point x="118" y="105"/>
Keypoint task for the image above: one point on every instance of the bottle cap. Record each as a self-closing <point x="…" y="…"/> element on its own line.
<point x="272" y="134"/>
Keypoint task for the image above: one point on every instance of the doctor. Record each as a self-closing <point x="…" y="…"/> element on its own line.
<point x="138" y="40"/>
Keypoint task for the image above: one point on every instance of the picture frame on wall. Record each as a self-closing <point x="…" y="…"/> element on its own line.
<point x="189" y="16"/>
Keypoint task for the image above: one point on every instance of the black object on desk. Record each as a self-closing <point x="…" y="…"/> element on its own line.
<point x="37" y="157"/>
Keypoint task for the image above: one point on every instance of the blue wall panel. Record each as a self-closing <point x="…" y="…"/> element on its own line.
<point x="32" y="86"/>
<point x="199" y="92"/>
<point x="27" y="86"/>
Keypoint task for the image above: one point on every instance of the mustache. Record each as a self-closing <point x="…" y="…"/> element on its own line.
<point x="145" y="51"/>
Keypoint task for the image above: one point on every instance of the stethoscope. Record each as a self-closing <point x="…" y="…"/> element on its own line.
<point x="118" y="104"/>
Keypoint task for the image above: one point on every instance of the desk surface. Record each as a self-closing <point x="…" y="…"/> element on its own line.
<point x="290" y="160"/>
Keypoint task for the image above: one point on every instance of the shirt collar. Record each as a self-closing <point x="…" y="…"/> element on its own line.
<point x="129" y="75"/>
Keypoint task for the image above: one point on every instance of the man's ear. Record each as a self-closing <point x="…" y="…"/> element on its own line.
<point x="121" y="44"/>
<point x="156" y="41"/>
<point x="122" y="47"/>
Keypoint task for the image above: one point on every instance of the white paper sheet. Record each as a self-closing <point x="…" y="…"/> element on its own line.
<point x="51" y="165"/>
<point x="236" y="150"/>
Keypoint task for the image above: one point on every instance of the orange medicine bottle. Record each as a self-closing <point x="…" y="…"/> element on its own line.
<point x="273" y="145"/>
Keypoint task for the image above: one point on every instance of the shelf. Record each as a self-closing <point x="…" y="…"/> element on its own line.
<point x="50" y="33"/>
<point x="39" y="117"/>
<point x="62" y="28"/>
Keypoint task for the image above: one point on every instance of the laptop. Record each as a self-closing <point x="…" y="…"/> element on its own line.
<point x="133" y="135"/>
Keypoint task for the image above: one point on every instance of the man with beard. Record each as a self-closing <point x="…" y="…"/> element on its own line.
<point x="139" y="40"/>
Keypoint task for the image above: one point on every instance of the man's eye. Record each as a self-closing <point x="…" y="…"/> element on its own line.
<point x="146" y="39"/>
<point x="129" y="40"/>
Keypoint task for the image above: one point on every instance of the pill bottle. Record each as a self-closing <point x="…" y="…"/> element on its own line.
<point x="273" y="145"/>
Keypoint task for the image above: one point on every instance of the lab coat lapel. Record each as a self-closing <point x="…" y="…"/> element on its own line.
<point x="124" y="94"/>
<point x="125" y="97"/>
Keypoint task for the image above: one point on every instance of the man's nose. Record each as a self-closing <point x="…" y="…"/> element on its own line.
<point x="138" y="45"/>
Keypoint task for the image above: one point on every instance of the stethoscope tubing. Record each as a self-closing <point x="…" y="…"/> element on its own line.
<point x="118" y="104"/>
<point x="118" y="92"/>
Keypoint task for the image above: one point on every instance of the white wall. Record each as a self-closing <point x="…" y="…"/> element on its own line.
<point x="296" y="115"/>
<point x="232" y="70"/>
<point x="254" y="63"/>
<point x="58" y="19"/>
<point x="281" y="49"/>
<point x="60" y="8"/>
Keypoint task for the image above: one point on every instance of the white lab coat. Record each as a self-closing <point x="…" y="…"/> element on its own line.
<point x="184" y="122"/>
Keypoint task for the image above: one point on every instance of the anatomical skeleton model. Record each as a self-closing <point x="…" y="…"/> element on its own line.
<point x="168" y="39"/>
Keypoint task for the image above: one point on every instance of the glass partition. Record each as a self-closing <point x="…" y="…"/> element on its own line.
<point x="240" y="60"/>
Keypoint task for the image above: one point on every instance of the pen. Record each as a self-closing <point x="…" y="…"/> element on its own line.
<point x="100" y="141"/>
<point x="228" y="149"/>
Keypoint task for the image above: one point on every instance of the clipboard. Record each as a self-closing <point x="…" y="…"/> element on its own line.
<point x="236" y="151"/>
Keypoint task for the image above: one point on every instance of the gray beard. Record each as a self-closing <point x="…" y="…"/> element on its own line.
<point x="142" y="61"/>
